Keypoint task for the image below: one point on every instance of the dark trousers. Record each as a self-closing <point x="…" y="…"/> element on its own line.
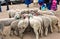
<point x="0" y="7"/>
<point x="58" y="2"/>
<point x="7" y="4"/>
<point x="48" y="5"/>
<point x="27" y="5"/>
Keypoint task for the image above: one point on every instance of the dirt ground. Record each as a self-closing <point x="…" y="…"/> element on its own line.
<point x="28" y="35"/>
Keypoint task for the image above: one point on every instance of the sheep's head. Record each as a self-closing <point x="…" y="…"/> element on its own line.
<point x="22" y="12"/>
<point x="17" y="16"/>
<point x="24" y="16"/>
<point x="30" y="16"/>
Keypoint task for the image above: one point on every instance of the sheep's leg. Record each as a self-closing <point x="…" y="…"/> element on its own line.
<point x="46" y="31"/>
<point x="51" y="29"/>
<point x="1" y="31"/>
<point x="21" y="35"/>
<point x="36" y="32"/>
<point x="17" y="32"/>
<point x="11" y="32"/>
<point x="41" y="32"/>
<point x="1" y="35"/>
<point x="58" y="28"/>
<point x="14" y="32"/>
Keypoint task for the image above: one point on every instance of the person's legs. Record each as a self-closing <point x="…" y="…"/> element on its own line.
<point x="58" y="2"/>
<point x="7" y="7"/>
<point x="7" y="4"/>
<point x="27" y="5"/>
<point x="48" y="6"/>
<point x="40" y="5"/>
<point x="0" y="7"/>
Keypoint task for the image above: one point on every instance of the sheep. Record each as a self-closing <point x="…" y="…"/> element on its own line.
<point x="44" y="20"/>
<point x="47" y="22"/>
<point x="36" y="25"/>
<point x="55" y="22"/>
<point x="46" y="12"/>
<point x="3" y="23"/>
<point x="14" y="27"/>
<point x="11" y="13"/>
<point x="7" y="21"/>
<point x="24" y="11"/>
<point x="33" y="11"/>
<point x="15" y="23"/>
<point x="22" y="25"/>
<point x="18" y="10"/>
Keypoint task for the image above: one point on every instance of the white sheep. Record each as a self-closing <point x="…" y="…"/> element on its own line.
<point x="7" y="21"/>
<point x="55" y="21"/>
<point x="43" y="20"/>
<point x="47" y="22"/>
<point x="46" y="12"/>
<point x="15" y="23"/>
<point x="11" y="13"/>
<point x="24" y="11"/>
<point x="37" y="26"/>
<point x="22" y="25"/>
<point x="14" y="28"/>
